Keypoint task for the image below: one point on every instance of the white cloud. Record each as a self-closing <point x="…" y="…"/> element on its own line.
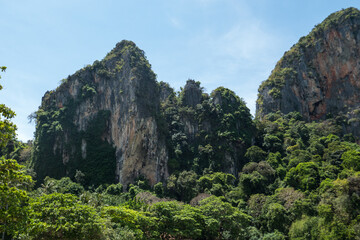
<point x="244" y="46"/>
<point x="239" y="58"/>
<point x="247" y="41"/>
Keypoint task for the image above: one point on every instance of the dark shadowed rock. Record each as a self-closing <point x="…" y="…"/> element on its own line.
<point x="165" y="91"/>
<point x="192" y="93"/>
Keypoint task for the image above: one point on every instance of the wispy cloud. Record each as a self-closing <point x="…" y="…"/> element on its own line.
<point x="246" y="41"/>
<point x="240" y="57"/>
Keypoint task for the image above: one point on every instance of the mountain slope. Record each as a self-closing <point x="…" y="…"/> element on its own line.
<point x="102" y="121"/>
<point x="318" y="76"/>
<point x="113" y="122"/>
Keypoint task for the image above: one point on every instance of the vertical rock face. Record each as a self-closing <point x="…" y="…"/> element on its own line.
<point x="102" y="121"/>
<point x="319" y="76"/>
<point x="192" y="94"/>
<point x="190" y="97"/>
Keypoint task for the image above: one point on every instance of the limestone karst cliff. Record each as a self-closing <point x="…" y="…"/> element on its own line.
<point x="319" y="76"/>
<point x="206" y="132"/>
<point x="115" y="123"/>
<point x="102" y="121"/>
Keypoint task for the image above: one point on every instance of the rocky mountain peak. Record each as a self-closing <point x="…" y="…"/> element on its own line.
<point x="192" y="93"/>
<point x="120" y="47"/>
<point x="102" y="121"/>
<point x="318" y="76"/>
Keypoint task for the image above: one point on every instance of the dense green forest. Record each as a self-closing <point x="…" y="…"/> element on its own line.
<point x="298" y="180"/>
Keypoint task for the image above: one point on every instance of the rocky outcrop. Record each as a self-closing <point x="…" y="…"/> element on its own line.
<point x="165" y="91"/>
<point x="114" y="122"/>
<point x="192" y="93"/>
<point x="205" y="132"/>
<point x="319" y="76"/>
<point x="111" y="106"/>
<point x="191" y="96"/>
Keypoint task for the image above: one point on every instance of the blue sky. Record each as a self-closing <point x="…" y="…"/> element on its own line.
<point x="230" y="43"/>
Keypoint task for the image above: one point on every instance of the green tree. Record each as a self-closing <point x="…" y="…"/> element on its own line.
<point x="7" y="128"/>
<point x="305" y="229"/>
<point x="114" y="189"/>
<point x="351" y="159"/>
<point x="13" y="180"/>
<point x="274" y="236"/>
<point x="189" y="222"/>
<point x="304" y="176"/>
<point x="165" y="212"/>
<point x="222" y="219"/>
<point x="255" y="177"/>
<point x="186" y="185"/>
<point x="255" y="154"/>
<point x="61" y="216"/>
<point x="63" y="185"/>
<point x="277" y="218"/>
<point x="183" y="186"/>
<point x="13" y="197"/>
<point x="159" y="189"/>
<point x="272" y="143"/>
<point x="216" y="183"/>
<point x="141" y="225"/>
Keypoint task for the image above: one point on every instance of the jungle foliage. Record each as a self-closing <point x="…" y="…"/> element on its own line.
<point x="292" y="179"/>
<point x="299" y="181"/>
<point x="210" y="135"/>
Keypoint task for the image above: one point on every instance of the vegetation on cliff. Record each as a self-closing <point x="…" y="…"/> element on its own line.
<point x="315" y="77"/>
<point x="60" y="147"/>
<point x="209" y="135"/>
<point x="297" y="179"/>
<point x="73" y="130"/>
<point x="280" y="176"/>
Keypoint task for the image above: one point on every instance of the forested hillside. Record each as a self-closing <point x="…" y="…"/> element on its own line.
<point x="300" y="179"/>
<point x="118" y="155"/>
<point x="115" y="123"/>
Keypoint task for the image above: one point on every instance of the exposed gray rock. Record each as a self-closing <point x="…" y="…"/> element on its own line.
<point x="192" y="93"/>
<point x="319" y="76"/>
<point x="124" y="85"/>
